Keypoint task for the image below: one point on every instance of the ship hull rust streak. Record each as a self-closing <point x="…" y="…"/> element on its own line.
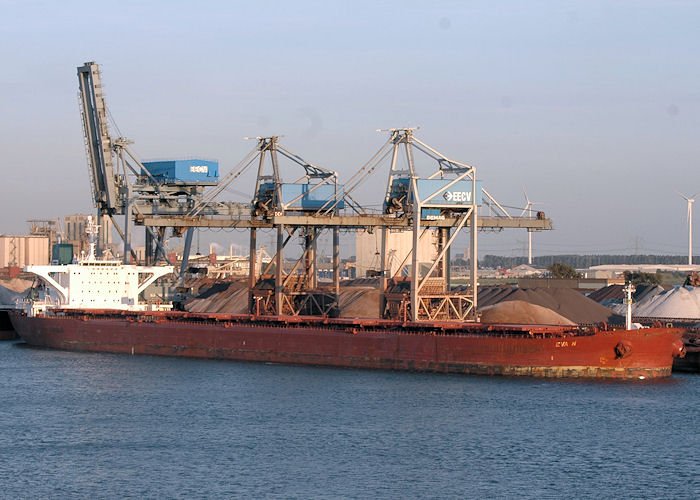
<point x="376" y="344"/>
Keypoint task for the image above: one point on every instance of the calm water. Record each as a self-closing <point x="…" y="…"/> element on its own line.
<point x="96" y="425"/>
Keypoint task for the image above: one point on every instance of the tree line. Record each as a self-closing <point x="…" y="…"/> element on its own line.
<point x="582" y="261"/>
<point x="559" y="270"/>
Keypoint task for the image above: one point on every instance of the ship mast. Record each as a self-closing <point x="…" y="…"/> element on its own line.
<point x="629" y="290"/>
<point x="92" y="230"/>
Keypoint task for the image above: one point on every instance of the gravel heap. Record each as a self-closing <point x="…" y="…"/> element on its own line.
<point x="679" y="302"/>
<point x="497" y="304"/>
<point x="11" y="290"/>
<point x="566" y="302"/>
<point x="521" y="312"/>
<point x="653" y="301"/>
<point x="612" y="296"/>
<point x="359" y="302"/>
<point x="230" y="297"/>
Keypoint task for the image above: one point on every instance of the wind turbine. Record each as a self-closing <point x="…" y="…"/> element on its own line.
<point x="528" y="210"/>
<point x="690" y="200"/>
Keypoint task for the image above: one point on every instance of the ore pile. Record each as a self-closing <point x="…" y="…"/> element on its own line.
<point x="11" y="290"/>
<point x="230" y="297"/>
<point x="680" y="302"/>
<point x="648" y="301"/>
<point x="521" y="312"/>
<point x="359" y="302"/>
<point x="569" y="305"/>
<point x="360" y="299"/>
<point x="613" y="296"/>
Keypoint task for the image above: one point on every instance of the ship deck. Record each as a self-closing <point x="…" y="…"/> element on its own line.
<point x="354" y="325"/>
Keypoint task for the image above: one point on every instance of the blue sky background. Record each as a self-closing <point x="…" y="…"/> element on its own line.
<point x="593" y="106"/>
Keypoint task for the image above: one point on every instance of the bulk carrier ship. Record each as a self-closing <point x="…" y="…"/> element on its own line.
<point x="94" y="305"/>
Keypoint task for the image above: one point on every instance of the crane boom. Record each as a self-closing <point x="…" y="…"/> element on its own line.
<point x="99" y="144"/>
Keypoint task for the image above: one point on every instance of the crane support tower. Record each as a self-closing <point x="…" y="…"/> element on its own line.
<point x="295" y="291"/>
<point x="450" y="192"/>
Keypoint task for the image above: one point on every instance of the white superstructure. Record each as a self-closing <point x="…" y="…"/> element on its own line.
<point x="95" y="284"/>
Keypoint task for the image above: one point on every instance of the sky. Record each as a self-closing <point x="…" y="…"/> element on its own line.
<point x="592" y="106"/>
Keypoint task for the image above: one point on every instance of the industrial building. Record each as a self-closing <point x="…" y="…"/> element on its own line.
<point x="23" y="250"/>
<point x="368" y="246"/>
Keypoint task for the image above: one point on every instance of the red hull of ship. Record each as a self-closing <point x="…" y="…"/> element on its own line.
<point x="380" y="344"/>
